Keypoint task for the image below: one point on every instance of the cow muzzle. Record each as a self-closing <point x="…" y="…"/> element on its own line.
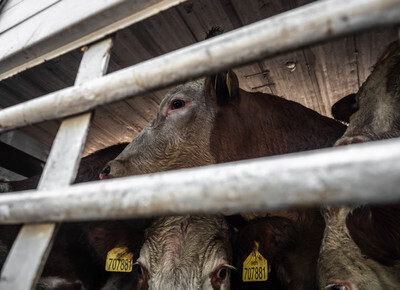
<point x="105" y="173"/>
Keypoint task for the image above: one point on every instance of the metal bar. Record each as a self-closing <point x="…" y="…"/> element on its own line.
<point x="29" y="252"/>
<point x="299" y="27"/>
<point x="361" y="173"/>
<point x="32" y="42"/>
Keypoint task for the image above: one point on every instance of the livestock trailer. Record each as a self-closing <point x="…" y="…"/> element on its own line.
<point x="78" y="76"/>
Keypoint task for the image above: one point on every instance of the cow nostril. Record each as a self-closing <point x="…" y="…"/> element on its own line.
<point x="104" y="174"/>
<point x="106" y="170"/>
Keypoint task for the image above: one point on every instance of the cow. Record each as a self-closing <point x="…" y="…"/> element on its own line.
<point x="211" y="120"/>
<point x="186" y="252"/>
<point x="361" y="248"/>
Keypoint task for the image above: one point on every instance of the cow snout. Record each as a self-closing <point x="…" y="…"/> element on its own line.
<point x="338" y="285"/>
<point x="351" y="140"/>
<point x="105" y="173"/>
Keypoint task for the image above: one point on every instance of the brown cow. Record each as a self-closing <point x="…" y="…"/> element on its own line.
<point x="361" y="246"/>
<point x="198" y="124"/>
<point x="211" y="120"/>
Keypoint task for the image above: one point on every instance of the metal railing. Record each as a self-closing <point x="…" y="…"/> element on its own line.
<point x="360" y="173"/>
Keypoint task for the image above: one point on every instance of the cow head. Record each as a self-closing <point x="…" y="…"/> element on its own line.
<point x="186" y="252"/>
<point x="179" y="136"/>
<point x="374" y="110"/>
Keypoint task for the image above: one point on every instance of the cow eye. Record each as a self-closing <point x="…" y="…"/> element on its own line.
<point x="140" y="268"/>
<point x="221" y="274"/>
<point x="177" y="104"/>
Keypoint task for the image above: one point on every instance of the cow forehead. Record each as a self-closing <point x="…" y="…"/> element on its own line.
<point x="190" y="90"/>
<point x="187" y="248"/>
<point x="188" y="237"/>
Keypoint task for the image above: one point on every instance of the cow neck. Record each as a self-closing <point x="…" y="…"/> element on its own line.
<point x="257" y="125"/>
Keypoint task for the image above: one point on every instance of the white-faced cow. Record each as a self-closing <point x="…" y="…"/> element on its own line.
<point x="186" y="252"/>
<point x="361" y="246"/>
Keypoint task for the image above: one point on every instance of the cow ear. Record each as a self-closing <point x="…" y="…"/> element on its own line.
<point x="345" y="108"/>
<point x="223" y="87"/>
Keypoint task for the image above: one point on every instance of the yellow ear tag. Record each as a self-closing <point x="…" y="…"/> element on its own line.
<point x="119" y="260"/>
<point x="255" y="267"/>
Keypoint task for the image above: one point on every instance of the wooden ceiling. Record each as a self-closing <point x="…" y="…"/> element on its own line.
<point x="315" y="76"/>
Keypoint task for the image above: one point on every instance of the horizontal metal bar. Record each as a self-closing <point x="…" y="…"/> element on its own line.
<point x="361" y="173"/>
<point x="299" y="27"/>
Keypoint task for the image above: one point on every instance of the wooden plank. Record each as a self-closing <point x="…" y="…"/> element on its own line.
<point x="255" y="78"/>
<point x="25" y="143"/>
<point x="51" y="76"/>
<point x="369" y="46"/>
<point x="19" y="162"/>
<point x="27" y="257"/>
<point x="333" y="71"/>
<point x="201" y="16"/>
<point x="34" y="41"/>
<point x="141" y="110"/>
<point x="22" y="12"/>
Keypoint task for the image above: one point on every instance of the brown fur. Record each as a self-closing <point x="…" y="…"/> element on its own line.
<point x="255" y="125"/>
<point x="289" y="241"/>
<point x="376" y="231"/>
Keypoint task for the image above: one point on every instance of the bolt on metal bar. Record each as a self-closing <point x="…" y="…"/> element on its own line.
<point x="309" y="24"/>
<point x="361" y="173"/>
<point x="29" y="252"/>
